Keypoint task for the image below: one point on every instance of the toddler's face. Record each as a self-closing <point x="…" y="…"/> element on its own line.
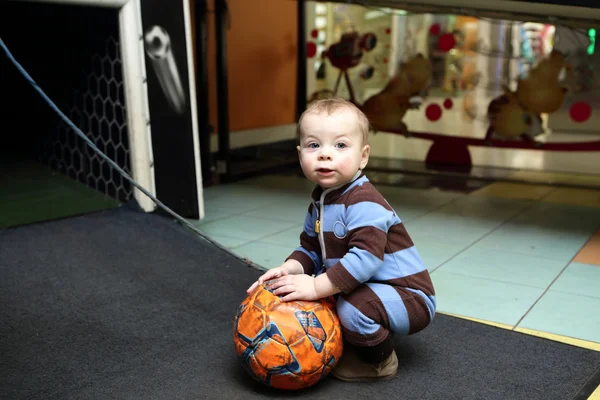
<point x="331" y="147"/>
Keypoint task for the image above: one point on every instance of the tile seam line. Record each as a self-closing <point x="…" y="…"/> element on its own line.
<point x="555" y="278"/>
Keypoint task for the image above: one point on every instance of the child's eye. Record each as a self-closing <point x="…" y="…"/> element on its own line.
<point x="313" y="145"/>
<point x="341" y="145"/>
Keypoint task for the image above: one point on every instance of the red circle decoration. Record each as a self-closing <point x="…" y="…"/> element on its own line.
<point x="580" y="111"/>
<point x="448" y="103"/>
<point x="446" y="42"/>
<point x="433" y="112"/>
<point x="311" y="49"/>
<point x="314" y="33"/>
<point x="388" y="30"/>
<point x="385" y="60"/>
<point x="435" y="29"/>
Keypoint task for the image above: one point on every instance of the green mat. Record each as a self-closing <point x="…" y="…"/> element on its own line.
<point x="31" y="192"/>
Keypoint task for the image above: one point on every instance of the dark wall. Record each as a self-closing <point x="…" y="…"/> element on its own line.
<point x="53" y="43"/>
<point x="72" y="53"/>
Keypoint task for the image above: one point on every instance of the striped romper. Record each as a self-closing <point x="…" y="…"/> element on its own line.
<point x="353" y="235"/>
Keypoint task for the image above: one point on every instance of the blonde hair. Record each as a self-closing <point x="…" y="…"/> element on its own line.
<point x="331" y="105"/>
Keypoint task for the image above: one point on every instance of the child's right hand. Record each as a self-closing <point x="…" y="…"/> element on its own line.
<point x="288" y="267"/>
<point x="270" y="274"/>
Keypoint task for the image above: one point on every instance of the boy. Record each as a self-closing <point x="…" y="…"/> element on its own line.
<point x="355" y="246"/>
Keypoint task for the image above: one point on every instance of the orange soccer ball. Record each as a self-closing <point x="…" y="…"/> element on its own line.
<point x="287" y="345"/>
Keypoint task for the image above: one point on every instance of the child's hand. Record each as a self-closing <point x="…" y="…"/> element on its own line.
<point x="295" y="287"/>
<point x="290" y="267"/>
<point x="270" y="274"/>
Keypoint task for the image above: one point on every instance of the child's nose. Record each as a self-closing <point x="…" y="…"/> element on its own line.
<point x="324" y="155"/>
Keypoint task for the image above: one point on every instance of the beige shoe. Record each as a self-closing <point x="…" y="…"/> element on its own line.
<point x="351" y="368"/>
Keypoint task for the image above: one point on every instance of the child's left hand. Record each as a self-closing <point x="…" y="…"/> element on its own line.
<point x="294" y="287"/>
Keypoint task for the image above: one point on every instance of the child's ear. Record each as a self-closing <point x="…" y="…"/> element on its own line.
<point x="365" y="156"/>
<point x="298" y="148"/>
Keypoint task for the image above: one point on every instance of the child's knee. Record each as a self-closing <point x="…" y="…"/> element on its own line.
<point x="362" y="312"/>
<point x="351" y="317"/>
<point x="376" y="307"/>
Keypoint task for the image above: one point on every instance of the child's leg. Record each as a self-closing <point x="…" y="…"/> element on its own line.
<point x="373" y="312"/>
